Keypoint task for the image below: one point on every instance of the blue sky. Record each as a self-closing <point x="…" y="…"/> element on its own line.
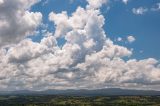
<point x="120" y="22"/>
<point x="145" y="28"/>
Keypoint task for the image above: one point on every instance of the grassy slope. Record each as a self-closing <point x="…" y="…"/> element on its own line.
<point x="79" y="101"/>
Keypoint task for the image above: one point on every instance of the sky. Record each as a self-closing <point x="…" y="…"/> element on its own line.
<point x="79" y="44"/>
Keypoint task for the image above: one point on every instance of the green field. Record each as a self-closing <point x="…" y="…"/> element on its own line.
<point x="79" y="101"/>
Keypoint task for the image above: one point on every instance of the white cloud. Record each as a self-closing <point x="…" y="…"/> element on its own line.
<point x="16" y="21"/>
<point x="139" y="11"/>
<point x="88" y="59"/>
<point x="1" y="2"/>
<point x="61" y="22"/>
<point x="125" y="1"/>
<point x="156" y="7"/>
<point x="96" y="3"/>
<point x="119" y="39"/>
<point x="45" y="2"/>
<point x="131" y="39"/>
<point x="158" y="4"/>
<point x="142" y="10"/>
<point x="89" y="43"/>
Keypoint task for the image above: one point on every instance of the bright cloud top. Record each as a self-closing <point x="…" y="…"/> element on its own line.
<point x="16" y="21"/>
<point x="88" y="59"/>
<point x="125" y="1"/>
<point x="131" y="39"/>
<point x="139" y="11"/>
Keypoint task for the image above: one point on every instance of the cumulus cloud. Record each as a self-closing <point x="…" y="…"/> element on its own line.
<point x="139" y="11"/>
<point x="156" y="7"/>
<point x="96" y="3"/>
<point x="88" y="59"/>
<point x="143" y="10"/>
<point x="125" y="1"/>
<point x="61" y="22"/>
<point x="1" y="2"/>
<point x="16" y="21"/>
<point x="119" y="39"/>
<point x="131" y="39"/>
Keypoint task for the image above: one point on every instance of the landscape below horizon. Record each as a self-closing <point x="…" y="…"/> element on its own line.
<point x="58" y="100"/>
<point x="83" y="97"/>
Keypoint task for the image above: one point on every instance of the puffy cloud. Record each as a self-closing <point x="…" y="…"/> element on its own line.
<point x="131" y="39"/>
<point x="139" y="11"/>
<point x="16" y="21"/>
<point x="89" y="43"/>
<point x="143" y="10"/>
<point x="45" y="2"/>
<point x="125" y="1"/>
<point x="119" y="39"/>
<point x="117" y="72"/>
<point x="88" y="59"/>
<point x="1" y="2"/>
<point x="61" y="22"/>
<point x="96" y="3"/>
<point x="156" y="7"/>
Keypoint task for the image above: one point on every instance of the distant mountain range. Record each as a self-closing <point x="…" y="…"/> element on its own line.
<point x="84" y="92"/>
